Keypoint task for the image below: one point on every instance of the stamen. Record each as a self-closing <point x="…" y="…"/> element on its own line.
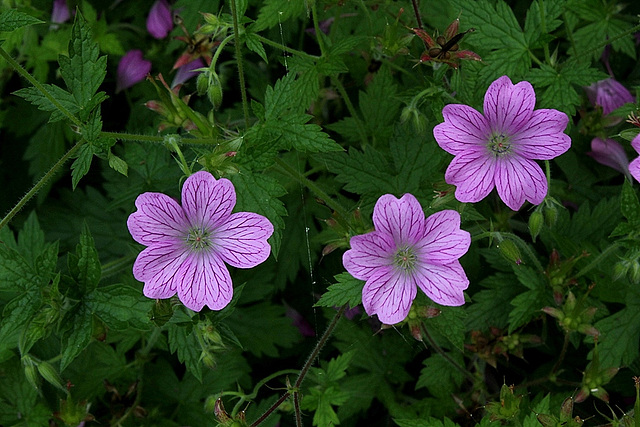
<point x="499" y="144"/>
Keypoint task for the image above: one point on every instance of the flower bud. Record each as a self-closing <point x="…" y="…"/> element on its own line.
<point x="550" y="214"/>
<point x="50" y="375"/>
<point x="535" y="224"/>
<point x="30" y="372"/>
<point x="202" y="83"/>
<point x="510" y="251"/>
<point x="214" y="92"/>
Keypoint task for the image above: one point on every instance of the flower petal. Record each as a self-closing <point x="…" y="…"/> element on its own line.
<point x="444" y="284"/>
<point x="157" y="266"/>
<point x="158" y="219"/>
<point x="443" y="240"/>
<point x="368" y="253"/>
<point x="242" y="240"/>
<point x="204" y="279"/>
<point x="389" y="295"/>
<point x="160" y="19"/>
<point x="610" y="153"/>
<point x="610" y="94"/>
<point x="132" y="68"/>
<point x="543" y="137"/>
<point x="473" y="174"/>
<point x="508" y="107"/>
<point x="206" y="201"/>
<point x="634" y="168"/>
<point x="403" y="218"/>
<point x="187" y="71"/>
<point x="463" y="129"/>
<point x="518" y="179"/>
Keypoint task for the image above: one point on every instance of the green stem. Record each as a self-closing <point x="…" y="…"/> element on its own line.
<point x="316" y="26"/>
<point x="24" y="73"/>
<point x="243" y="89"/>
<point x="547" y="168"/>
<point x="115" y="266"/>
<point x="343" y="93"/>
<point x="442" y="353"/>
<point x="337" y="207"/>
<point x="222" y="44"/>
<point x="598" y="259"/>
<point x="244" y="397"/>
<point x="157" y="138"/>
<point x="47" y="176"/>
<point x="286" y="48"/>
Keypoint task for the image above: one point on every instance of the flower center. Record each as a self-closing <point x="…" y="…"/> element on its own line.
<point x="405" y="259"/>
<point x="499" y="144"/>
<point x="198" y="238"/>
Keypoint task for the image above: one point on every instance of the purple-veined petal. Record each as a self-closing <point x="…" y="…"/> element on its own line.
<point x="444" y="284"/>
<point x="187" y="71"/>
<point x="157" y="266"/>
<point x="610" y="153"/>
<point x="204" y="279"/>
<point x="443" y="240"/>
<point x="242" y="240"/>
<point x="132" y="68"/>
<point x="368" y="253"/>
<point x="160" y="19"/>
<point x="403" y="218"/>
<point x="609" y="94"/>
<point x="634" y="168"/>
<point x="206" y="201"/>
<point x="463" y="129"/>
<point x="518" y="179"/>
<point x="508" y="107"/>
<point x="158" y="219"/>
<point x="388" y="294"/>
<point x="635" y="143"/>
<point x="473" y="175"/>
<point x="542" y="137"/>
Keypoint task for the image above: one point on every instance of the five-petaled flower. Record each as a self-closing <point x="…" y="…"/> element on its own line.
<point x="406" y="252"/>
<point x="189" y="244"/>
<point x="497" y="149"/>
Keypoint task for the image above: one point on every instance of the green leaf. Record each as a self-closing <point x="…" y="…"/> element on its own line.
<point x="15" y="316"/>
<point x="629" y="204"/>
<point x="450" y="324"/>
<point x="275" y="12"/>
<point x="618" y="341"/>
<point x="120" y="307"/>
<point x="13" y="19"/>
<point x="362" y="172"/>
<point x="439" y="376"/>
<point x="527" y="305"/>
<point x="117" y="164"/>
<point x="428" y="422"/>
<point x="259" y="194"/>
<point x="336" y="368"/>
<point x="37" y="98"/>
<point x="482" y="313"/>
<point x="83" y="70"/>
<point x="78" y="336"/>
<point x="80" y="166"/>
<point x="84" y="265"/>
<point x="380" y="106"/>
<point x="255" y="45"/>
<point x="183" y="340"/>
<point x="348" y="290"/>
<point x="542" y="19"/>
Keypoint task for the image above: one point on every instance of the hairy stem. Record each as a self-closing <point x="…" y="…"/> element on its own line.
<point x="441" y="352"/>
<point x="243" y="89"/>
<point x="285" y="48"/>
<point x="596" y="261"/>
<point x="157" y="138"/>
<point x="347" y="102"/>
<point x="38" y="185"/>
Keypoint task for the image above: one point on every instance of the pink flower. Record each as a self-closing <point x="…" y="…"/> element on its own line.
<point x="406" y="252"/>
<point x="610" y="153"/>
<point x="160" y="19"/>
<point x="60" y="12"/>
<point x="189" y="244"/>
<point x="498" y="148"/>
<point x="186" y="71"/>
<point x="131" y="69"/>
<point x="609" y="94"/>
<point x="634" y="166"/>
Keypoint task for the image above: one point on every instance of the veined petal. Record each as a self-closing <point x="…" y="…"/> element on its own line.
<point x="204" y="279"/>
<point x="206" y="201"/>
<point x="634" y="168"/>
<point x="518" y="179"/>
<point x="242" y="240"/>
<point x="368" y="253"/>
<point x="463" y="129"/>
<point x="444" y="284"/>
<point x="610" y="153"/>
<point x="635" y="143"/>
<point x="443" y="240"/>
<point x="389" y="295"/>
<point x="543" y="137"/>
<point x="157" y="266"/>
<point x="401" y="218"/>
<point x="158" y="219"/>
<point x="508" y="107"/>
<point x="473" y="175"/>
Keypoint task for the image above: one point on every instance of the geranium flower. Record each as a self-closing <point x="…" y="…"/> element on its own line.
<point x="60" y="12"/>
<point x="497" y="149"/>
<point x="609" y="94"/>
<point x="189" y="244"/>
<point x="160" y="19"/>
<point x="634" y="166"/>
<point x="406" y="252"/>
<point x="132" y="68"/>
<point x="609" y="153"/>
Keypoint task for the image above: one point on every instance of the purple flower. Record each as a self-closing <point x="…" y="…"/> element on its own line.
<point x="634" y="166"/>
<point x="131" y="69"/>
<point x="498" y="148"/>
<point x="60" y="12"/>
<point x="160" y="19"/>
<point x="186" y="72"/>
<point x="406" y="252"/>
<point x="609" y="94"/>
<point x="609" y="153"/>
<point x="189" y="244"/>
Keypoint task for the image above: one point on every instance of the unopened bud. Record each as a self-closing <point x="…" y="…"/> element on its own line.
<point x="535" y="224"/>
<point x="50" y="375"/>
<point x="510" y="251"/>
<point x="30" y="372"/>
<point x="214" y="92"/>
<point x="328" y="249"/>
<point x="550" y="215"/>
<point x="202" y="83"/>
<point x="208" y="359"/>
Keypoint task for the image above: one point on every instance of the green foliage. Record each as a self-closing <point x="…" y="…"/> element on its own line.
<point x="347" y="290"/>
